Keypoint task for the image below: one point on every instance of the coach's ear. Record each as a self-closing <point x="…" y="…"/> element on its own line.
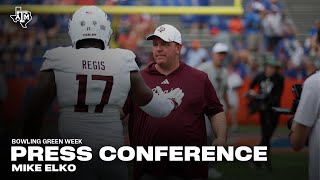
<point x="178" y="48"/>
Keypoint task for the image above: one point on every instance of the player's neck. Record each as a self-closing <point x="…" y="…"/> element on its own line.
<point x="91" y="46"/>
<point x="98" y="46"/>
<point x="167" y="69"/>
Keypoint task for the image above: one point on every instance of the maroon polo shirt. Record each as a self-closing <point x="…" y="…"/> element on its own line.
<point x="184" y="126"/>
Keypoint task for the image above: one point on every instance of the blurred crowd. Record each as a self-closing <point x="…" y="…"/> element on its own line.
<point x="262" y="31"/>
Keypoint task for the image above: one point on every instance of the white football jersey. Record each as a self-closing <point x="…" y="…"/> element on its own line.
<point x="92" y="86"/>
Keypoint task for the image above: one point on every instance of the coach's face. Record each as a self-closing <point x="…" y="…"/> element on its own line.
<point x="164" y="53"/>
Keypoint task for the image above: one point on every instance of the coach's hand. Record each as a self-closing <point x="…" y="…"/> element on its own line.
<point x="175" y="95"/>
<point x="219" y="142"/>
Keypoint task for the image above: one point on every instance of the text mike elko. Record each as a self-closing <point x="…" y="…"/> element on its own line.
<point x="43" y="158"/>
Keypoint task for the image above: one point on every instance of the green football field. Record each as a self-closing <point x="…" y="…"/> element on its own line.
<point x="286" y="163"/>
<point x="286" y="166"/>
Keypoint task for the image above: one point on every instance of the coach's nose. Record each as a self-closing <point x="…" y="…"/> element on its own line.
<point x="159" y="48"/>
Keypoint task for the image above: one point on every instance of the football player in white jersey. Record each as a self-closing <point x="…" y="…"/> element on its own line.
<point x="91" y="83"/>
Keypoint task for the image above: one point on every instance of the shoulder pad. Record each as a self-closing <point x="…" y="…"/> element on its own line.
<point x="52" y="57"/>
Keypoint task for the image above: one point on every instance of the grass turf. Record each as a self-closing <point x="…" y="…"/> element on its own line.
<point x="255" y="129"/>
<point x="293" y="166"/>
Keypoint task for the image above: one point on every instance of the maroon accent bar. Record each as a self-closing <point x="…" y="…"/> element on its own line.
<point x="106" y="93"/>
<point x="82" y="91"/>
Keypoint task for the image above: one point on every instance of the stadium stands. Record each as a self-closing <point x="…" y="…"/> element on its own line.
<point x="249" y="36"/>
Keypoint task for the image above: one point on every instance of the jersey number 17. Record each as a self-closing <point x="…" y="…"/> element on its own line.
<point x="82" y="91"/>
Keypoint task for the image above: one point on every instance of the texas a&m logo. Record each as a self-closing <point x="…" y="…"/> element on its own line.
<point x="160" y="29"/>
<point x="21" y="16"/>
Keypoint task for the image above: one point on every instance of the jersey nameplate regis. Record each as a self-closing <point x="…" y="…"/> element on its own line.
<point x="93" y="65"/>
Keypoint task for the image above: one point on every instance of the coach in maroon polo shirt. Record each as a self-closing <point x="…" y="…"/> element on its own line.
<point x="185" y="125"/>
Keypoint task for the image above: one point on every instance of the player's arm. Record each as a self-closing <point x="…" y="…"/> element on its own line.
<point x="299" y="135"/>
<point x="149" y="102"/>
<point x="39" y="102"/>
<point x="141" y="94"/>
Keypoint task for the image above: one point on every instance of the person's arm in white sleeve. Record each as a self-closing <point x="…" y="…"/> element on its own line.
<point x="299" y="135"/>
<point x="306" y="115"/>
<point x="153" y="104"/>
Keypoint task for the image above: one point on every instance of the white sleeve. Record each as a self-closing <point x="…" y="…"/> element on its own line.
<point x="130" y="61"/>
<point x="158" y="107"/>
<point x="309" y="105"/>
<point x="50" y="60"/>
